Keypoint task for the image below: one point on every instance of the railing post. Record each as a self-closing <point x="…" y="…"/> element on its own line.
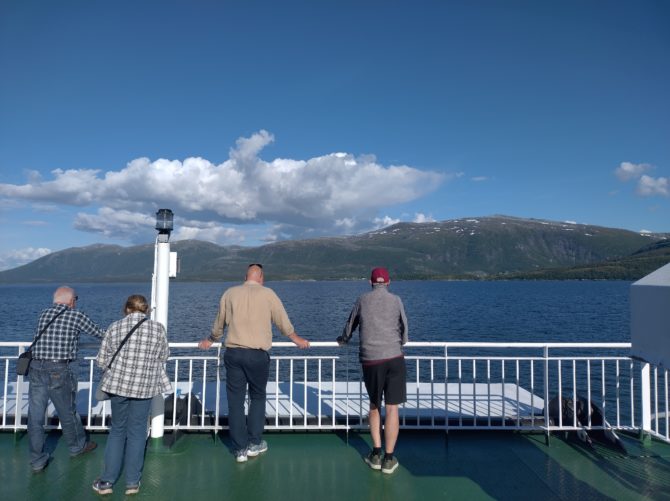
<point x="158" y="416"/>
<point x="546" y="393"/>
<point x="446" y="393"/>
<point x="19" y="398"/>
<point x="645" y="397"/>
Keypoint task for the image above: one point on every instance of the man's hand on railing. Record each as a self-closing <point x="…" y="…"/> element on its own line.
<point x="340" y="341"/>
<point x="300" y="342"/>
<point x="205" y="344"/>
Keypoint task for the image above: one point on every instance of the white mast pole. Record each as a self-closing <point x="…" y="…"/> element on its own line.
<point x="160" y="291"/>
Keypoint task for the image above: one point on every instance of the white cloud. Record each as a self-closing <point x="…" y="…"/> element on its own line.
<point x="422" y="218"/>
<point x="337" y="192"/>
<point x="209" y="231"/>
<point x="479" y="179"/>
<point x="347" y="223"/>
<point x="648" y="186"/>
<point x="18" y="257"/>
<point x="627" y="170"/>
<point x="383" y="222"/>
<point x="69" y="187"/>
<point x="134" y="226"/>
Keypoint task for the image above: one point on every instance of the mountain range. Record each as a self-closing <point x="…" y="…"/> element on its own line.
<point x="474" y="248"/>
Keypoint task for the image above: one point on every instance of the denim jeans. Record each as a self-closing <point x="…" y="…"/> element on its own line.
<point x="55" y="381"/>
<point x="127" y="439"/>
<point x="246" y="367"/>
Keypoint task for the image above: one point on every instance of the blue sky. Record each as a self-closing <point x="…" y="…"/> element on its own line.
<point x="263" y="120"/>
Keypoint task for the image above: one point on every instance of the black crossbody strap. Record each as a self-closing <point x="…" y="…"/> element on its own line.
<point x="46" y="327"/>
<point x="109" y="365"/>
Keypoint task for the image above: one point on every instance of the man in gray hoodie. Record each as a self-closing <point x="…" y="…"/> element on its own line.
<point x="382" y="325"/>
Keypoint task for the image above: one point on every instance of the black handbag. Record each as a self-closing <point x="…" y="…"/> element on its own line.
<point x="101" y="395"/>
<point x="23" y="363"/>
<point x="24" y="359"/>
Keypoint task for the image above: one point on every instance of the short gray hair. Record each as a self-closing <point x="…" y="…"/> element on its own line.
<point x="64" y="295"/>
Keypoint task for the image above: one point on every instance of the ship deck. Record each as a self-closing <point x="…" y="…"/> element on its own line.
<point x="298" y="465"/>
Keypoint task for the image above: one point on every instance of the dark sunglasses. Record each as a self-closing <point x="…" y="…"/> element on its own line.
<point x="256" y="264"/>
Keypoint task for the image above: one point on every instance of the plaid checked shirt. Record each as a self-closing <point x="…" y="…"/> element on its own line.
<point x="138" y="370"/>
<point x="61" y="339"/>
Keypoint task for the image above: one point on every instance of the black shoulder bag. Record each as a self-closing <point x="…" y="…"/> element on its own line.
<point x="23" y="362"/>
<point x="103" y="395"/>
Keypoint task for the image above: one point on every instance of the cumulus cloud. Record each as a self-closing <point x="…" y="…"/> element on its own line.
<point x="69" y="187"/>
<point x="134" y="226"/>
<point x="346" y="223"/>
<point x="210" y="231"/>
<point x="18" y="257"/>
<point x="648" y="186"/>
<point x="138" y="227"/>
<point x="422" y="218"/>
<point x="382" y="222"/>
<point x="337" y="192"/>
<point x="627" y="170"/>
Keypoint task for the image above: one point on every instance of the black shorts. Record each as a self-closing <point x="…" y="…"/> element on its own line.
<point x="387" y="379"/>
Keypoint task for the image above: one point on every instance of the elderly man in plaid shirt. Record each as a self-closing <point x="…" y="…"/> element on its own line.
<point x="52" y="378"/>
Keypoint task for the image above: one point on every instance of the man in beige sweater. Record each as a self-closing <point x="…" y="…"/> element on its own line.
<point x="249" y="310"/>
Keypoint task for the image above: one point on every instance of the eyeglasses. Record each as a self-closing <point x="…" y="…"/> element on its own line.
<point x="256" y="264"/>
<point x="76" y="298"/>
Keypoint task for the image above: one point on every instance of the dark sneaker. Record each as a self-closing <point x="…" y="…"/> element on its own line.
<point x="241" y="456"/>
<point x="90" y="446"/>
<point x="374" y="461"/>
<point x="132" y="489"/>
<point x="255" y="449"/>
<point x="389" y="465"/>
<point x="101" y="487"/>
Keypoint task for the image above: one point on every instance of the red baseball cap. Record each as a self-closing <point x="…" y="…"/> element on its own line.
<point x="380" y="276"/>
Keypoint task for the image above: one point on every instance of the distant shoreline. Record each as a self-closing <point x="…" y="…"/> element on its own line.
<point x="306" y="280"/>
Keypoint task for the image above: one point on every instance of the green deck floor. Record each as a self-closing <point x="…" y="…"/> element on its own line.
<point x="324" y="466"/>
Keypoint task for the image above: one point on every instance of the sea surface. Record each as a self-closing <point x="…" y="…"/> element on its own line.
<point x="468" y="311"/>
<point x="519" y="311"/>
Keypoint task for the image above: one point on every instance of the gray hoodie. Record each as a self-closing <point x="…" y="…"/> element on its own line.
<point x="382" y="324"/>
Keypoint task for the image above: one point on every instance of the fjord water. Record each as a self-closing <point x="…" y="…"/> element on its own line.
<point x="520" y="311"/>
<point x="468" y="311"/>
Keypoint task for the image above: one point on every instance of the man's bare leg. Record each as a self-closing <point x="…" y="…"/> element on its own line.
<point x="375" y="426"/>
<point x="391" y="428"/>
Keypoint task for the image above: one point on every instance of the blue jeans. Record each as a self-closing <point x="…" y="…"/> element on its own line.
<point x="127" y="439"/>
<point x="246" y="367"/>
<point x="55" y="381"/>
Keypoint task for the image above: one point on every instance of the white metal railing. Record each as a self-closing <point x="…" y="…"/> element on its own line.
<point x="658" y="423"/>
<point x="453" y="385"/>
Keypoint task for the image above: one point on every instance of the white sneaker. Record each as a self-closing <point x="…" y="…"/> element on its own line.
<point x="241" y="456"/>
<point x="255" y="449"/>
<point x="132" y="489"/>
